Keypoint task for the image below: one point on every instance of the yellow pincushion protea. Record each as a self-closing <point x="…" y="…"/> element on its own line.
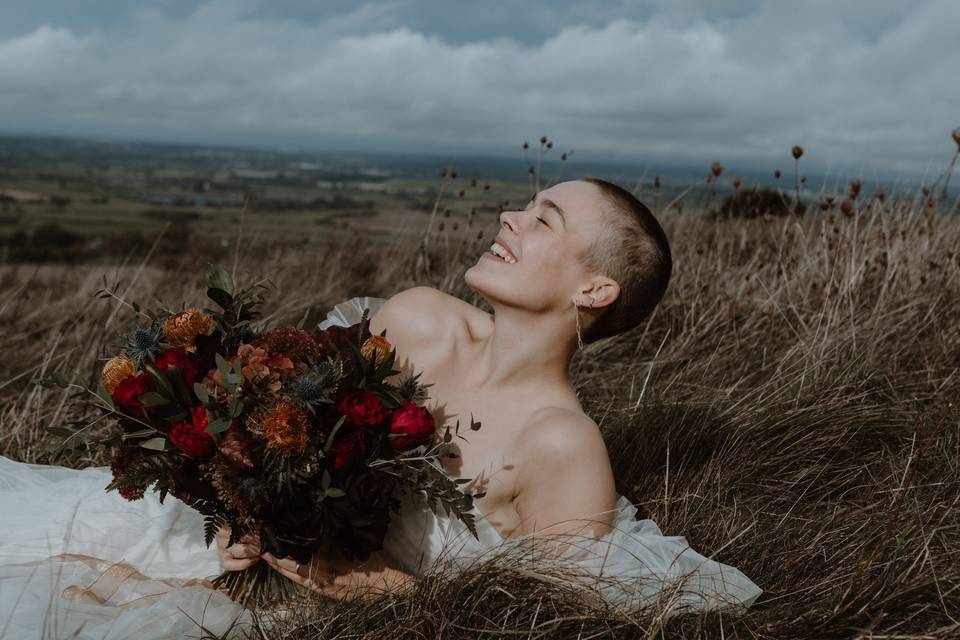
<point x="116" y="369"/>
<point x="182" y="329"/>
<point x="378" y="343"/>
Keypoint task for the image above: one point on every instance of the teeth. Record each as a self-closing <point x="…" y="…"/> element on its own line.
<point x="503" y="253"/>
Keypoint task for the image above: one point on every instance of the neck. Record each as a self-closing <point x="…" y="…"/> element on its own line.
<point x="525" y="347"/>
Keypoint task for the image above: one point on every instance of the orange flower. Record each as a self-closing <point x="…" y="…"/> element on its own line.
<point x="283" y="425"/>
<point x="116" y="369"/>
<point x="182" y="329"/>
<point x="378" y="343"/>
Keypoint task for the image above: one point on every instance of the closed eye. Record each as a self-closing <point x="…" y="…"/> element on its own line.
<point x="542" y="220"/>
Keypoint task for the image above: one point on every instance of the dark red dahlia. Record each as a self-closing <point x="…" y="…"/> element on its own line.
<point x="413" y="424"/>
<point x="190" y="437"/>
<point x="126" y="397"/>
<point x="179" y="358"/>
<point x="348" y="448"/>
<point x="363" y="408"/>
<point x="291" y="342"/>
<point x="123" y="457"/>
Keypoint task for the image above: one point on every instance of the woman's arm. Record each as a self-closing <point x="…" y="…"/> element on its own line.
<point x="341" y="579"/>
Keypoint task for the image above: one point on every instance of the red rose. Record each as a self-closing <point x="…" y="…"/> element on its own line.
<point x="413" y="424"/>
<point x="348" y="448"/>
<point x="126" y="397"/>
<point x="190" y="437"/>
<point x="179" y="358"/>
<point x="362" y="408"/>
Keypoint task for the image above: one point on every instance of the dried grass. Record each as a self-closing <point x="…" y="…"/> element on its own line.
<point x="790" y="407"/>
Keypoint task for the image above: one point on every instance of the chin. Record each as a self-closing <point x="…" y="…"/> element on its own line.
<point x="492" y="287"/>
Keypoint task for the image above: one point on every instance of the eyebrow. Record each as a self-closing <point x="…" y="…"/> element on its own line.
<point x="550" y="204"/>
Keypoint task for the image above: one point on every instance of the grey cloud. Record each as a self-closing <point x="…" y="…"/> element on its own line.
<point x="870" y="87"/>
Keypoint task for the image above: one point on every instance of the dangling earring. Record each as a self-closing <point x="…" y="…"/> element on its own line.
<point x="576" y="310"/>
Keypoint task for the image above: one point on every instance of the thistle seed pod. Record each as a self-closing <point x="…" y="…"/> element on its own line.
<point x="797" y="151"/>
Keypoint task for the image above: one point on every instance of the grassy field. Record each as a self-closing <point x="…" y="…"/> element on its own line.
<point x="791" y="406"/>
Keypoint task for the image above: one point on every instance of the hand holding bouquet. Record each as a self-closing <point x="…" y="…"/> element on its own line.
<point x="294" y="436"/>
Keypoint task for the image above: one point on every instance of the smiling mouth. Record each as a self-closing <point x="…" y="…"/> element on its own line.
<point x="501" y="253"/>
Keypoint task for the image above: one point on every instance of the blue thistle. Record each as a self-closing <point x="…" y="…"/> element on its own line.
<point x="306" y="389"/>
<point x="317" y="385"/>
<point x="143" y="343"/>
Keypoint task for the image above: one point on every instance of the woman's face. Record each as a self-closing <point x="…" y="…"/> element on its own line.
<point x="542" y="272"/>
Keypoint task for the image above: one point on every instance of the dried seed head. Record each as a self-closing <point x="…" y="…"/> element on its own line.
<point x="797" y="151"/>
<point x="846" y="207"/>
<point x="443" y="174"/>
<point x="526" y="145"/>
<point x="956" y="137"/>
<point x="486" y="186"/>
<point x="736" y="183"/>
<point x="880" y="195"/>
<point x="716" y="168"/>
<point x="776" y="174"/>
<point x="543" y="139"/>
<point x="803" y="179"/>
<point x="855" y="187"/>
<point x="925" y="191"/>
<point x="656" y="182"/>
<point x="446" y="213"/>
<point x="530" y="169"/>
<point x="563" y="157"/>
<point x="453" y="175"/>
<point x="550" y="145"/>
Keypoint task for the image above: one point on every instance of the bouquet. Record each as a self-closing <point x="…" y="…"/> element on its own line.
<point x="293" y="435"/>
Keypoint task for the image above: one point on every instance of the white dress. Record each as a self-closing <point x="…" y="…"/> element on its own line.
<point x="79" y="562"/>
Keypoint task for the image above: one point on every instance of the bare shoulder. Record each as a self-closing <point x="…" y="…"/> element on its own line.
<point x="416" y="313"/>
<point x="565" y="477"/>
<point x="561" y="433"/>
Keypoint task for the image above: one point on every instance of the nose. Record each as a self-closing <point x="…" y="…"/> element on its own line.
<point x="508" y="221"/>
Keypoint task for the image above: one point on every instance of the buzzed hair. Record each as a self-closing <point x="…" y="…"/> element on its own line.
<point x="632" y="249"/>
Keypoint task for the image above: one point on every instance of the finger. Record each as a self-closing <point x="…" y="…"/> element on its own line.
<point x="251" y="539"/>
<point x="238" y="564"/>
<point x="243" y="551"/>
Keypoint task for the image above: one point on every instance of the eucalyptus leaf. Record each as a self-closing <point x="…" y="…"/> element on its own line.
<point x="142" y="433"/>
<point x="333" y="433"/>
<point x="105" y="396"/>
<point x="155" y="444"/>
<point x="218" y="425"/>
<point x="161" y="382"/>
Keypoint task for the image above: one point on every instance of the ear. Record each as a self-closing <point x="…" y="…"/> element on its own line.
<point x="598" y="293"/>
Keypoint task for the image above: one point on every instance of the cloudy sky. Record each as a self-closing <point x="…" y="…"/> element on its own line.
<point x="871" y="86"/>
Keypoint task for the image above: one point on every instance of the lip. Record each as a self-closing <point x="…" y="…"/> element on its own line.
<point x="499" y="240"/>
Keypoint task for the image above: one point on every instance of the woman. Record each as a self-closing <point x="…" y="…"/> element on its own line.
<point x="584" y="261"/>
